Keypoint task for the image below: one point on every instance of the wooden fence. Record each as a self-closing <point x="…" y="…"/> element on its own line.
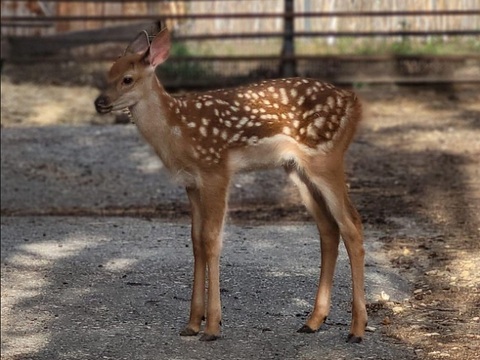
<point x="42" y="17"/>
<point x="248" y="38"/>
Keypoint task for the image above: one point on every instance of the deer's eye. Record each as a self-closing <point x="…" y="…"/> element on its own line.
<point x="127" y="80"/>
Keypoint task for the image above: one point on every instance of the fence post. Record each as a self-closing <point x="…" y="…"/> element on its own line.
<point x="288" y="66"/>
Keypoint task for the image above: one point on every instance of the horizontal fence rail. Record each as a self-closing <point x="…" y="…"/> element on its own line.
<point x="248" y="15"/>
<point x="53" y="32"/>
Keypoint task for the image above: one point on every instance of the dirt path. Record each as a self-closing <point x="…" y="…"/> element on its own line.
<point x="415" y="176"/>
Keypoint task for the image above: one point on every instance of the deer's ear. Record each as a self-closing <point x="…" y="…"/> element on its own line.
<point x="160" y="48"/>
<point x="139" y="45"/>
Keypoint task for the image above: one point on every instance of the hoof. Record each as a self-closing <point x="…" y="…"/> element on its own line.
<point x="188" y="332"/>
<point x="209" y="337"/>
<point x="352" y="339"/>
<point x="305" y="329"/>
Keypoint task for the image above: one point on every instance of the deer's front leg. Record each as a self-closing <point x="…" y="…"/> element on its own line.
<point x="197" y="306"/>
<point x="213" y="203"/>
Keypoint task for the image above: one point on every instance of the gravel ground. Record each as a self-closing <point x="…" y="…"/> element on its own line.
<point x="414" y="174"/>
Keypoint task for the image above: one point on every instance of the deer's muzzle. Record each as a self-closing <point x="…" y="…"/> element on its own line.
<point x="103" y="105"/>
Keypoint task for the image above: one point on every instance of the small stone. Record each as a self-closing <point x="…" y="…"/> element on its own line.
<point x="397" y="309"/>
<point x="384" y="296"/>
<point x="386" y="320"/>
<point x="370" y="329"/>
<point x="418" y="291"/>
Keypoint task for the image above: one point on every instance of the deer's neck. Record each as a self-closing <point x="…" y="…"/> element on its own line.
<point x="156" y="123"/>
<point x="149" y="111"/>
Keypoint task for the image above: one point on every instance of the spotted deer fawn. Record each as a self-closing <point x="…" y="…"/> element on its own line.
<point x="302" y="125"/>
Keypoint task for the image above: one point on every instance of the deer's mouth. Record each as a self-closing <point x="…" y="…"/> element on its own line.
<point x="102" y="105"/>
<point x="104" y="110"/>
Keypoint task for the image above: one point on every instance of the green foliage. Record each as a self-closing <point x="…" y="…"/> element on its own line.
<point x="434" y="45"/>
<point x="176" y="69"/>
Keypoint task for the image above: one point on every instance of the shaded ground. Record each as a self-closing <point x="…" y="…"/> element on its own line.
<point x="414" y="175"/>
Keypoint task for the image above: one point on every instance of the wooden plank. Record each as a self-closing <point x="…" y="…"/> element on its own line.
<point x="49" y="45"/>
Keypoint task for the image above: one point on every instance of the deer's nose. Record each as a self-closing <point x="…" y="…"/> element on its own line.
<point x="102" y="104"/>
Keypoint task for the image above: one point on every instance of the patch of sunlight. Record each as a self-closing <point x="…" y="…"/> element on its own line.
<point x="148" y="162"/>
<point x="301" y="303"/>
<point x="52" y="250"/>
<point x="119" y="264"/>
<point x="25" y="278"/>
<point x="48" y="114"/>
<point x="278" y="273"/>
<point x="21" y="336"/>
<point x="22" y="344"/>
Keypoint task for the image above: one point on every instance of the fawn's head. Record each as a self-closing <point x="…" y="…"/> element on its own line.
<point x="130" y="71"/>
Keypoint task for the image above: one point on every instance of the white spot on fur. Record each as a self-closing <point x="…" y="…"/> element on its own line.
<point x="312" y="132"/>
<point x="330" y="102"/>
<point x="253" y="140"/>
<point x="340" y="101"/>
<point x="243" y="121"/>
<point x="235" y="137"/>
<point x="283" y="96"/>
<point x="318" y="122"/>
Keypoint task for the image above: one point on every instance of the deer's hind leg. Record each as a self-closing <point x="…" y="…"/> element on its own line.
<point x="329" y="241"/>
<point x="329" y="181"/>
